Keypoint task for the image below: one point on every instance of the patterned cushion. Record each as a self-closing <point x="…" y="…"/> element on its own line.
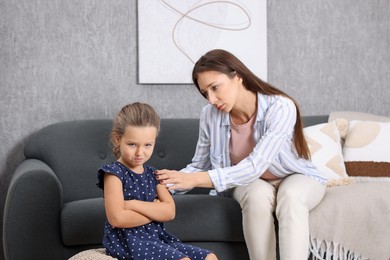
<point x="366" y="149"/>
<point x="325" y="148"/>
<point x="352" y="115"/>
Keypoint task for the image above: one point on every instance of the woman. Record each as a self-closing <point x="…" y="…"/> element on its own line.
<point x="251" y="146"/>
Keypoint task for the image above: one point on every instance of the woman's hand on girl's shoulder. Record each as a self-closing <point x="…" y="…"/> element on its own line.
<point x="176" y="180"/>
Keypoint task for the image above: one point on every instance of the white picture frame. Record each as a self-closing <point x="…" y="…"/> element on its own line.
<point x="173" y="34"/>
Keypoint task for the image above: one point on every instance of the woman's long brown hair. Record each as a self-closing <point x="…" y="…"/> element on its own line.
<point x="224" y="62"/>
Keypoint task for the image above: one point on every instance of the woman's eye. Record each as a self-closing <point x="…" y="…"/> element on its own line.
<point x="214" y="88"/>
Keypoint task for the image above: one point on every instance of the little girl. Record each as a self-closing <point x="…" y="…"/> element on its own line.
<point x="135" y="203"/>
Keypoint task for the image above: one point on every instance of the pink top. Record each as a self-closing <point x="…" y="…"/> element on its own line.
<point x="242" y="143"/>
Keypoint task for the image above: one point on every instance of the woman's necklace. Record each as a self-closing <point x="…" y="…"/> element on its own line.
<point x="240" y="120"/>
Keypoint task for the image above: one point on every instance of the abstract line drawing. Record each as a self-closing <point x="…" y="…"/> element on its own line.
<point x="173" y="34"/>
<point x="229" y="27"/>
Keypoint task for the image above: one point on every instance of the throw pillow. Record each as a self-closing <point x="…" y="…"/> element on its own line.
<point x="366" y="149"/>
<point x="325" y="148"/>
<point x="353" y="115"/>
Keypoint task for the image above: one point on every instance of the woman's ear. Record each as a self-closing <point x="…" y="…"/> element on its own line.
<point x="239" y="78"/>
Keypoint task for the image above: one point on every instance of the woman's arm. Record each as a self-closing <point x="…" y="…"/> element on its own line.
<point x="117" y="214"/>
<point x="160" y="210"/>
<point x="184" y="181"/>
<point x="279" y="122"/>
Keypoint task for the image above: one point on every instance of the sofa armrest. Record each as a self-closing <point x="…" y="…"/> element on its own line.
<point x="31" y="225"/>
<point x="82" y="222"/>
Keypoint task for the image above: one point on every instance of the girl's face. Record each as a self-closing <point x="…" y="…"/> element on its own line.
<point x="136" y="146"/>
<point x="220" y="90"/>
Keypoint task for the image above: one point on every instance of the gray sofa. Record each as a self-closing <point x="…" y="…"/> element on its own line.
<point x="54" y="209"/>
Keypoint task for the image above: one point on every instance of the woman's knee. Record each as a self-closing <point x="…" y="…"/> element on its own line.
<point x="291" y="193"/>
<point x="256" y="196"/>
<point x="298" y="193"/>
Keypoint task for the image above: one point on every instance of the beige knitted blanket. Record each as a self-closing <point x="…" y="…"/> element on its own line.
<point x="352" y="222"/>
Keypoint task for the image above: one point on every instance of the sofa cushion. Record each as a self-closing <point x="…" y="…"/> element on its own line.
<point x="365" y="152"/>
<point x="82" y="222"/>
<point x="325" y="149"/>
<point x="194" y="219"/>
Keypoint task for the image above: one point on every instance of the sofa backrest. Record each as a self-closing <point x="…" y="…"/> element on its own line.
<point x="74" y="150"/>
<point x="314" y="120"/>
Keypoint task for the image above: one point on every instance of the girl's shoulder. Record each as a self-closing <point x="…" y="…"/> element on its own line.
<point x="150" y="170"/>
<point x="114" y="168"/>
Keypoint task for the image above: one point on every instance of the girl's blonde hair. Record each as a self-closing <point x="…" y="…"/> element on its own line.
<point x="135" y="114"/>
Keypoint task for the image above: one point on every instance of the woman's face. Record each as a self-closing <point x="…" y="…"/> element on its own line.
<point x="220" y="90"/>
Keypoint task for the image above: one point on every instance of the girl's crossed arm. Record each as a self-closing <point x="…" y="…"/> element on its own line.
<point x="160" y="210"/>
<point x="115" y="205"/>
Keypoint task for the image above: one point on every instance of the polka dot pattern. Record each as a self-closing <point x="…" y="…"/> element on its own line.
<point x="150" y="241"/>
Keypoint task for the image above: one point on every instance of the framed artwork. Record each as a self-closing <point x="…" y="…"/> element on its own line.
<point x="174" y="34"/>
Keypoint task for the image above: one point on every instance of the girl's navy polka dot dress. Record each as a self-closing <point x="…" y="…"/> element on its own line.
<point x="150" y="241"/>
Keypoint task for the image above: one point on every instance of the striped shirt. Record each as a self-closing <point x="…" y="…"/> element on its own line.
<point x="274" y="149"/>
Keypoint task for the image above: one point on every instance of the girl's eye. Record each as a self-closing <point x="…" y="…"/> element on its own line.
<point x="214" y="88"/>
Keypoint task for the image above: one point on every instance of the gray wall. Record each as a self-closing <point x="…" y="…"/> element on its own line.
<point x="63" y="60"/>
